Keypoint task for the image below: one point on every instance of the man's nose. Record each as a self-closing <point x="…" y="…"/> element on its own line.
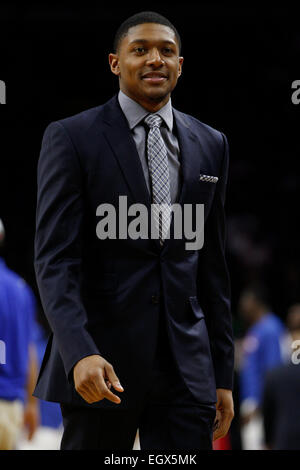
<point x="155" y="57"/>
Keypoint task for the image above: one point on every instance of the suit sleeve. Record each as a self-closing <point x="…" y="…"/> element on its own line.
<point x="59" y="219"/>
<point x="214" y="283"/>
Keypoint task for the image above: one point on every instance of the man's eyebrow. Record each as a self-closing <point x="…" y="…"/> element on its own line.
<point x="145" y="41"/>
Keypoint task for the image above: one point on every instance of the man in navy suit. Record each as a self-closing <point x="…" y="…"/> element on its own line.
<point x="144" y="312"/>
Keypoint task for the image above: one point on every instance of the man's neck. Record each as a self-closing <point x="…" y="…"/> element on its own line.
<point x="150" y="105"/>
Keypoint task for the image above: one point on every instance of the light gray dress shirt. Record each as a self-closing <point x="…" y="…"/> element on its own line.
<point x="135" y="114"/>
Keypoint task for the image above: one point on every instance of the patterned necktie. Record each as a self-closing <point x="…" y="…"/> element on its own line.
<point x="159" y="175"/>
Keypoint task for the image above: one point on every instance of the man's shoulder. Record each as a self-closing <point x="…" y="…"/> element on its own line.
<point x="199" y="127"/>
<point x="82" y="121"/>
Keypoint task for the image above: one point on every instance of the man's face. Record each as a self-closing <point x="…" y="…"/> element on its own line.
<point x="148" y="64"/>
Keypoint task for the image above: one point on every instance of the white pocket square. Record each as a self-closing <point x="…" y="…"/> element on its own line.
<point x="208" y="178"/>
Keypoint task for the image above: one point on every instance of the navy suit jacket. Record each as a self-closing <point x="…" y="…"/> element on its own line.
<point x="104" y="296"/>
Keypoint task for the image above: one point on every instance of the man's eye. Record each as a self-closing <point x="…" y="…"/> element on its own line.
<point x="167" y="50"/>
<point x="139" y="50"/>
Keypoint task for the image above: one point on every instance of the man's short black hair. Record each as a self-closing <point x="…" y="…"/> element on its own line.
<point x="141" y="18"/>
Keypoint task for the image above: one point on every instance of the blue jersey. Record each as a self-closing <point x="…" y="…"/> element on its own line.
<point x="17" y="323"/>
<point x="261" y="352"/>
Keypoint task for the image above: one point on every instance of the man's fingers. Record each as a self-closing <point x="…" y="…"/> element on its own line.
<point x="104" y="391"/>
<point x="217" y="420"/>
<point x="113" y="378"/>
<point x="110" y="396"/>
<point x="216" y="426"/>
<point x="96" y="390"/>
<point x="89" y="392"/>
<point x="94" y="377"/>
<point x="222" y="422"/>
<point x="108" y="384"/>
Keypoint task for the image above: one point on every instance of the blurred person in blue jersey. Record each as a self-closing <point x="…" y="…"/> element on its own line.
<point x="281" y="398"/>
<point x="18" y="364"/>
<point x="262" y="349"/>
<point x="49" y="433"/>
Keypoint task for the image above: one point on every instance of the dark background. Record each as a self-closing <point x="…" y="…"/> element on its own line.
<point x="240" y="62"/>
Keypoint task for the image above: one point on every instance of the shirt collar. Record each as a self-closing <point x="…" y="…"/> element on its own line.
<point x="135" y="113"/>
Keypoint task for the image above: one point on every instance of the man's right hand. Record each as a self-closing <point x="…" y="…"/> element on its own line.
<point x="91" y="375"/>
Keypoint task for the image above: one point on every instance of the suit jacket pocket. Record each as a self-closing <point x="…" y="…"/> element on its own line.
<point x="206" y="187"/>
<point x="208" y="178"/>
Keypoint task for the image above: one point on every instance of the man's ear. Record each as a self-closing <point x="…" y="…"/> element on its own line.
<point x="113" y="60"/>
<point x="180" y="66"/>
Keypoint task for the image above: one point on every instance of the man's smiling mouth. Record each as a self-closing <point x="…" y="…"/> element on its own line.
<point x="154" y="77"/>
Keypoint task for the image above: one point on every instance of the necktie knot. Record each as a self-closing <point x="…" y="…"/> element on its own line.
<point x="153" y="120"/>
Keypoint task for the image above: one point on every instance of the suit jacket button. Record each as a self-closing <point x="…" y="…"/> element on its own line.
<point x="155" y="299"/>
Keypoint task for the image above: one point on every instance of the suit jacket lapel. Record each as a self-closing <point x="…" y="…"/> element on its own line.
<point x="119" y="137"/>
<point x="123" y="146"/>
<point x="189" y="146"/>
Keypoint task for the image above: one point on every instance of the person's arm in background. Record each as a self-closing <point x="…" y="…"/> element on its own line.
<point x="31" y="416"/>
<point x="213" y="279"/>
<point x="250" y="378"/>
<point x="264" y="354"/>
<point x="31" y="410"/>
